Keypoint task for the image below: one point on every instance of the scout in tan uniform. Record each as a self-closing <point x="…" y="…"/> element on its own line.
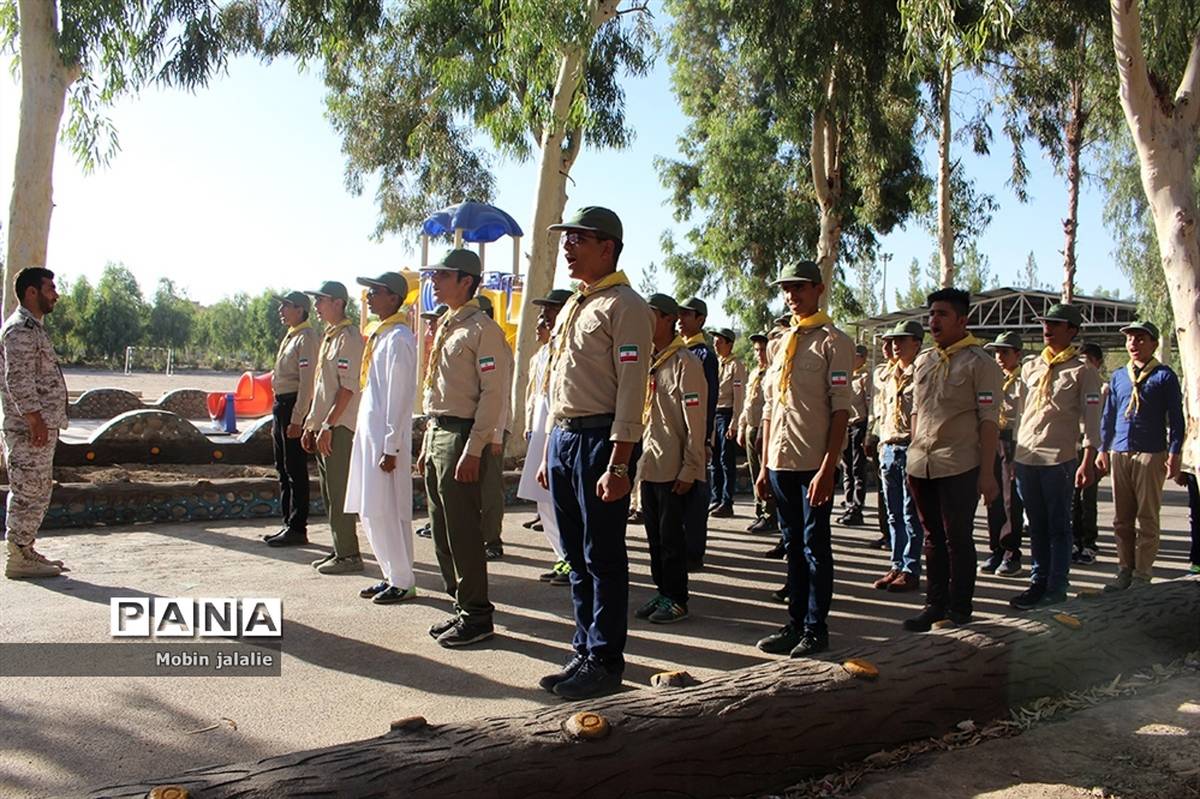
<point x="854" y="457"/>
<point x="433" y="319"/>
<point x="781" y="328"/>
<point x="1006" y="514"/>
<point x="465" y="391"/>
<point x="731" y="390"/>
<point x="895" y="420"/>
<point x="956" y="404"/>
<point x="292" y="382"/>
<point x="1085" y="529"/>
<point x="33" y="397"/>
<point x="672" y="460"/>
<point x="879" y="375"/>
<point x="329" y="426"/>
<point x="598" y="376"/>
<point x="749" y="435"/>
<point x="1061" y="394"/>
<point x="804" y="426"/>
<point x="693" y="312"/>
<point x="493" y="472"/>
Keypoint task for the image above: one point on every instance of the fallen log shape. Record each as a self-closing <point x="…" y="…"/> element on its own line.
<point x="747" y="732"/>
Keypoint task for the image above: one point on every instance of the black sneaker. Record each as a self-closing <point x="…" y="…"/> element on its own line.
<point x="548" y="682"/>
<point x="810" y="644"/>
<point x="592" y="678"/>
<point x="1052" y="598"/>
<point x="777" y="552"/>
<point x="756" y="525"/>
<point x="883" y="542"/>
<point x="393" y="595"/>
<point x="648" y="608"/>
<point x="288" y="538"/>
<point x="993" y="562"/>
<point x="923" y="621"/>
<point x="668" y="612"/>
<point x="371" y="590"/>
<point x="780" y="596"/>
<point x="1085" y="556"/>
<point x="439" y="627"/>
<point x="781" y="642"/>
<point x="425" y="531"/>
<point x="464" y="632"/>
<point x="493" y="551"/>
<point x="959" y="618"/>
<point x="1011" y="566"/>
<point x="1028" y="599"/>
<point x="851" y="519"/>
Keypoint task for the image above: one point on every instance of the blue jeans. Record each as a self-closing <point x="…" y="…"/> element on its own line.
<point x="908" y="536"/>
<point x="809" y="550"/>
<point x="722" y="469"/>
<point x="593" y="537"/>
<point x="1046" y="493"/>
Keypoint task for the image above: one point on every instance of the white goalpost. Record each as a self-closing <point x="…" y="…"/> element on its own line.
<point x="130" y="352"/>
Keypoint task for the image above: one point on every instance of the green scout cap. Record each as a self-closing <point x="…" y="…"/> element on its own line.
<point x="759" y="337"/>
<point x="436" y="313"/>
<point x="1011" y="340"/>
<point x="485" y="305"/>
<point x="696" y="305"/>
<point x="332" y="289"/>
<point x="664" y="303"/>
<point x="1144" y="325"/>
<point x="297" y="298"/>
<point x="783" y="320"/>
<point x="459" y="260"/>
<point x="555" y="297"/>
<point x="392" y="281"/>
<point x="724" y="333"/>
<point x="799" y="272"/>
<point x="1061" y="312"/>
<point x="595" y="219"/>
<point x="860" y="349"/>
<point x="911" y="328"/>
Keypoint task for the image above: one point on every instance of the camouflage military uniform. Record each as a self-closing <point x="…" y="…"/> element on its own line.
<point x="31" y="381"/>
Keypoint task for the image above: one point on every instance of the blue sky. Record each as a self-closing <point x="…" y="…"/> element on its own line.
<point x="240" y="186"/>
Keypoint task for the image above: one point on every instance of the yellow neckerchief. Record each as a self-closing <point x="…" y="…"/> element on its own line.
<point x="291" y="331"/>
<point x="372" y="332"/>
<point x="675" y="346"/>
<point x="944" y="353"/>
<point x="1136" y="378"/>
<point x="439" y="340"/>
<point x="755" y="378"/>
<point x="1010" y="378"/>
<point x="900" y="381"/>
<point x="793" y="339"/>
<point x="330" y="333"/>
<point x="694" y="339"/>
<point x="571" y="310"/>
<point x="1047" y="379"/>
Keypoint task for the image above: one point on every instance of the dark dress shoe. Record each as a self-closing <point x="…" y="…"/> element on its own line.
<point x="528" y="524"/>
<point x="851" y="519"/>
<point x="778" y="552"/>
<point x="923" y="621"/>
<point x="425" y="531"/>
<point x="549" y="682"/>
<point x="722" y="512"/>
<point x="288" y="538"/>
<point x="280" y="531"/>
<point x="905" y="581"/>
<point x="493" y="551"/>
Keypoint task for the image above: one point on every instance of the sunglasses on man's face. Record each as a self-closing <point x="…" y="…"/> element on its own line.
<point x="576" y="236"/>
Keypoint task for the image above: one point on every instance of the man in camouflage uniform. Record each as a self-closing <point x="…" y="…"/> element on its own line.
<point x="33" y="398"/>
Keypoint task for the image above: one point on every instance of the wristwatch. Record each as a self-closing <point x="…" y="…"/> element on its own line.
<point x="618" y="469"/>
<point x="326" y="426"/>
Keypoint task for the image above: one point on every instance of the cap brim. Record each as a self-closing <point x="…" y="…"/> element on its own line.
<point x="781" y="281"/>
<point x="759" y="337"/>
<point x="543" y="301"/>
<point x="992" y="345"/>
<point x="1145" y="330"/>
<point x="369" y="281"/>
<point x="565" y="226"/>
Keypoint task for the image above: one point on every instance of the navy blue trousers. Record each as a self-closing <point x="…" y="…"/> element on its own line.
<point x="809" y="550"/>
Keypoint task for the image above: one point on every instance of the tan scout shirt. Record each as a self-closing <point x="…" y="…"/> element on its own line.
<point x="673" y="443"/>
<point x="603" y="364"/>
<point x="1010" y="408"/>
<point x="819" y="387"/>
<point x="860" y="384"/>
<point x="874" y="420"/>
<point x="949" y="406"/>
<point x="752" y="407"/>
<point x="339" y="365"/>
<point x="1049" y="431"/>
<point x="295" y="364"/>
<point x="896" y="405"/>
<point x="471" y="375"/>
<point x="731" y="387"/>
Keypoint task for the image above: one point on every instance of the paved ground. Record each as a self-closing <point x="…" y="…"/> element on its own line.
<point x="351" y="667"/>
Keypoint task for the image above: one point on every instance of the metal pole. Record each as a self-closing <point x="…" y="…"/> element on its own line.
<point x="516" y="266"/>
<point x="128" y="350"/>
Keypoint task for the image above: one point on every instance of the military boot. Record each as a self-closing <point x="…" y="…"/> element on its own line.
<point x="21" y="564"/>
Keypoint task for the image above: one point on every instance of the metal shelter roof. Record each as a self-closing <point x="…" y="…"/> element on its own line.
<point x="1000" y="310"/>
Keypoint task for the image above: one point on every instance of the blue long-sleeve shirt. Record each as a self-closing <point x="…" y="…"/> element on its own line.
<point x="1158" y="424"/>
<point x="708" y="359"/>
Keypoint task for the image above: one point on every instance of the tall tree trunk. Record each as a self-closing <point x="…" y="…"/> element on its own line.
<point x="559" y="149"/>
<point x="1074" y="142"/>
<point x="1164" y="132"/>
<point x="44" y="83"/>
<point x="945" y="223"/>
<point x="827" y="181"/>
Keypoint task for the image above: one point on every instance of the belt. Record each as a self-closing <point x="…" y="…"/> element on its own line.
<point x="578" y="423"/>
<point x="455" y="424"/>
<point x="725" y="411"/>
<point x="287" y="396"/>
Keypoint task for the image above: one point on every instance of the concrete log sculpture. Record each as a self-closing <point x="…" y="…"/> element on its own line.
<point x="748" y="732"/>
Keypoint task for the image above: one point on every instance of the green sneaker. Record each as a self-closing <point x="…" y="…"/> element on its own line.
<point x="647" y="610"/>
<point x="352" y="564"/>
<point x="1194" y="568"/>
<point x="562" y="573"/>
<point x="668" y="612"/>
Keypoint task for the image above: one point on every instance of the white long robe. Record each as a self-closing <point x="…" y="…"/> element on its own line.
<point x="383" y="501"/>
<point x="528" y="487"/>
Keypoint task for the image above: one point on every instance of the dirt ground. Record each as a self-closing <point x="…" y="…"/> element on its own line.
<point x="159" y="473"/>
<point x="152" y="385"/>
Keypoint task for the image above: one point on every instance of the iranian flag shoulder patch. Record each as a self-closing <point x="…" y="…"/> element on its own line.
<point x="985" y="398"/>
<point x="487" y="364"/>
<point x="343" y="364"/>
<point x="691" y="399"/>
<point x="1092" y="399"/>
<point x="838" y="378"/>
<point x="304" y="363"/>
<point x="627" y="353"/>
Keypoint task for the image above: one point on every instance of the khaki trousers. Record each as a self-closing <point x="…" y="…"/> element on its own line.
<point x="1138" y="479"/>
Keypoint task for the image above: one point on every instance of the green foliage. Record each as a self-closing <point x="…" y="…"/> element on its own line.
<point x="1030" y="277"/>
<point x="172" y="317"/>
<point x="115" y="314"/>
<point x="920" y="284"/>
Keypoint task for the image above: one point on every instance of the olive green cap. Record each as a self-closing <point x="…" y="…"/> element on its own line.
<point x="799" y="272"/>
<point x="458" y="260"/>
<point x="392" y="281"/>
<point x="595" y="219"/>
<point x="910" y="328"/>
<point x="663" y="303"/>
<point x="696" y="305"/>
<point x="1010" y="340"/>
<point x="724" y="333"/>
<point x="1145" y="325"/>
<point x="555" y="297"/>
<point x="1061" y="312"/>
<point x="297" y="298"/>
<point x="759" y="337"/>
<point x="332" y="289"/>
<point x="436" y="313"/>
